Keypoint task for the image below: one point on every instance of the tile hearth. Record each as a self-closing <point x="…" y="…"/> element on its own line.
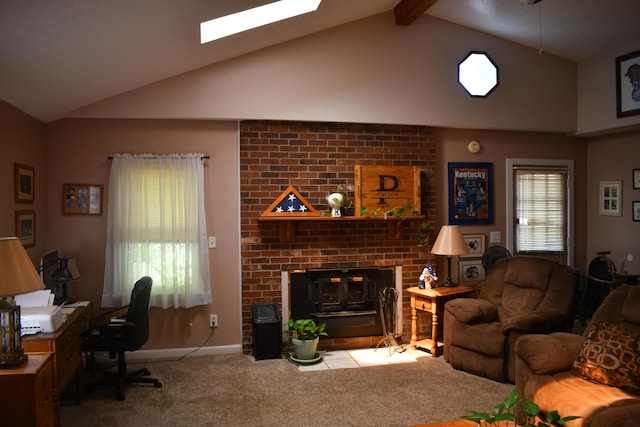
<point x="349" y="359"/>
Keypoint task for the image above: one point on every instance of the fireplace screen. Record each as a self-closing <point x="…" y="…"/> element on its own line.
<point x="346" y="300"/>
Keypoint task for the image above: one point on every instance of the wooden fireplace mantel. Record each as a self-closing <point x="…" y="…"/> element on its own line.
<point x="288" y="223"/>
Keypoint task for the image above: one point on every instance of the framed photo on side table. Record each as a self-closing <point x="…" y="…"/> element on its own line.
<point x="475" y="243"/>
<point x="82" y="199"/>
<point x="610" y="198"/>
<point x="628" y="93"/>
<point x="24" y="183"/>
<point x="470" y="271"/>
<point x="26" y="227"/>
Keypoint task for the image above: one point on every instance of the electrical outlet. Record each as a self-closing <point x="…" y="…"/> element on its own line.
<point x="213" y="320"/>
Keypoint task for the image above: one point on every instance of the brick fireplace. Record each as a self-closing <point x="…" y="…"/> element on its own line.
<point x="316" y="159"/>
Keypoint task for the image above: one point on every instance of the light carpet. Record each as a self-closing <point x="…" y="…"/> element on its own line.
<point x="236" y="390"/>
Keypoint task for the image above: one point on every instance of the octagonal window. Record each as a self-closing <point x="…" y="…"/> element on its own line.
<point x="477" y="74"/>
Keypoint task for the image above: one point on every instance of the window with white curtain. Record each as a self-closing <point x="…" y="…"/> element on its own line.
<point x="157" y="228"/>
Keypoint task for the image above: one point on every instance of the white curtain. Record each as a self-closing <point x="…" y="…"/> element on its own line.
<point x="156" y="227"/>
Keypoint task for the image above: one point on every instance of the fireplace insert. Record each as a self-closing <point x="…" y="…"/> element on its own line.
<point x="346" y="300"/>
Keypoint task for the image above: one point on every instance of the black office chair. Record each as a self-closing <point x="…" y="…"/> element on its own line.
<point x="120" y="330"/>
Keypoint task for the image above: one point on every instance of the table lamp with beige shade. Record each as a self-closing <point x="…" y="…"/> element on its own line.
<point x="18" y="276"/>
<point x="450" y="242"/>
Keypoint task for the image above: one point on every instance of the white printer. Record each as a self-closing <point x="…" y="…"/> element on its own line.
<point x="37" y="314"/>
<point x="40" y="319"/>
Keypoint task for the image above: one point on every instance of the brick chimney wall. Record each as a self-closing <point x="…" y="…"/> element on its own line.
<point x="316" y="159"/>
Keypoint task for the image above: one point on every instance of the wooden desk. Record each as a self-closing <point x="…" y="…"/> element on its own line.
<point x="432" y="301"/>
<point x="26" y="394"/>
<point x="64" y="347"/>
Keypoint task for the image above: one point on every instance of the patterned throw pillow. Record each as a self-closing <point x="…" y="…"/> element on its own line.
<point x="611" y="355"/>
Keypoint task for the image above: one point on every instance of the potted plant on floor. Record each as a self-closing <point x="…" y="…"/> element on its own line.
<point x="304" y="334"/>
<point x="504" y="414"/>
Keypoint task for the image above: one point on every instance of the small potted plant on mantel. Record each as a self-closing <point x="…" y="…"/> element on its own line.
<point x="304" y="334"/>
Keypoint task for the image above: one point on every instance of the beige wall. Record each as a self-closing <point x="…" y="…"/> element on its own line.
<point x="597" y="94"/>
<point x="612" y="158"/>
<point x="22" y="139"/>
<point x="497" y="146"/>
<point x="369" y="71"/>
<point x="77" y="151"/>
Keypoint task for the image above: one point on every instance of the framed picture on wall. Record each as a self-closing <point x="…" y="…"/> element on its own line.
<point x="470" y="193"/>
<point x="610" y="198"/>
<point x="82" y="199"/>
<point x="627" y="87"/>
<point x="24" y="183"/>
<point x="636" y="179"/>
<point x="636" y="210"/>
<point x="470" y="271"/>
<point x="26" y="227"/>
<point x="475" y="243"/>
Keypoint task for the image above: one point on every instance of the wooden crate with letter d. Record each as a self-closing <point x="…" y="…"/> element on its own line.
<point x="382" y="188"/>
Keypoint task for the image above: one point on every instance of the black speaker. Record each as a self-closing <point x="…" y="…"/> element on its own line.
<point x="267" y="332"/>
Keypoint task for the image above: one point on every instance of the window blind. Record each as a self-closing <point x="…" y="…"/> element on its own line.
<point x="541" y="209"/>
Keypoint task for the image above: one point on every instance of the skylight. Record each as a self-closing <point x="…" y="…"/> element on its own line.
<point x="224" y="26"/>
<point x="478" y="74"/>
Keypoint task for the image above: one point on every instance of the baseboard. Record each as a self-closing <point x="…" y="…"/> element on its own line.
<point x="173" y="353"/>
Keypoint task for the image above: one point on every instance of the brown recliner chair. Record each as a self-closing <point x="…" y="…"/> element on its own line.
<point x="521" y="295"/>
<point x="604" y="388"/>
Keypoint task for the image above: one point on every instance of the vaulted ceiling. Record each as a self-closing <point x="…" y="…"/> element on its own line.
<point x="57" y="56"/>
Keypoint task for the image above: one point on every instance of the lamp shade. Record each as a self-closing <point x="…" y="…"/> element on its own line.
<point x="450" y="242"/>
<point x="18" y="275"/>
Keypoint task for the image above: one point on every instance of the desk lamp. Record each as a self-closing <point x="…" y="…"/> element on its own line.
<point x="450" y="242"/>
<point x="67" y="272"/>
<point x="17" y="276"/>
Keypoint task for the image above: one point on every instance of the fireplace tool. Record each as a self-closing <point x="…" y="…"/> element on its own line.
<point x="388" y="314"/>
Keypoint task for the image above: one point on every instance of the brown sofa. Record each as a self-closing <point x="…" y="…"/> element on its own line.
<point x="551" y="370"/>
<point x="520" y="295"/>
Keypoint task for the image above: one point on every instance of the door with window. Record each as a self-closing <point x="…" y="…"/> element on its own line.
<point x="539" y="208"/>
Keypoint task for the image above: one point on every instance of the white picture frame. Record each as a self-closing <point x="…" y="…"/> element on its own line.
<point x="610" y="198"/>
<point x="476" y="245"/>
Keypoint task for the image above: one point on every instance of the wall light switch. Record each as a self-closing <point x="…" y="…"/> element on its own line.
<point x="496" y="236"/>
<point x="212" y="242"/>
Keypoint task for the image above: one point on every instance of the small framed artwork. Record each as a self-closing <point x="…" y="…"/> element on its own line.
<point x="470" y="271"/>
<point x="610" y="198"/>
<point x="26" y="227"/>
<point x="627" y="88"/>
<point x="24" y="183"/>
<point x="636" y="179"/>
<point x="82" y="199"/>
<point x="636" y="210"/>
<point x="475" y="243"/>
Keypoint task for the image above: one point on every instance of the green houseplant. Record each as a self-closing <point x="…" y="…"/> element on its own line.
<point x="400" y="212"/>
<point x="504" y="414"/>
<point x="304" y="334"/>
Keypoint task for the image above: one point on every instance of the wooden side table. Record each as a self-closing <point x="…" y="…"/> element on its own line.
<point x="26" y="393"/>
<point x="432" y="301"/>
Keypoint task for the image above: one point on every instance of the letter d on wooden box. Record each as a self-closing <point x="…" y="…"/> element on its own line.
<point x="381" y="188"/>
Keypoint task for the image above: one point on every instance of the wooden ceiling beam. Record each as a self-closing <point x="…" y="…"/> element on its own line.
<point x="408" y="11"/>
